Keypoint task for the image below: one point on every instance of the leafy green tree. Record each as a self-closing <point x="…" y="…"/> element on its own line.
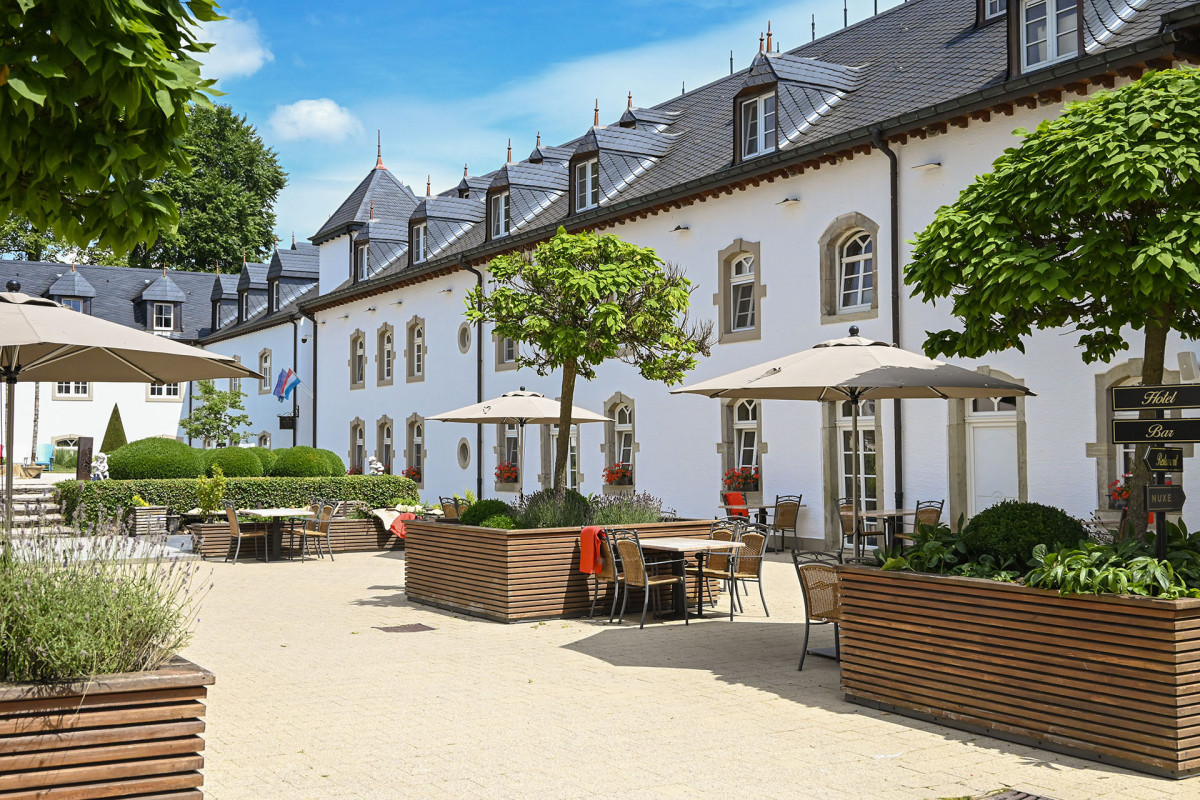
<point x="226" y="200"/>
<point x="212" y="420"/>
<point x="582" y="299"/>
<point x="92" y="108"/>
<point x="19" y="239"/>
<point x="114" y="434"/>
<point x="1091" y="224"/>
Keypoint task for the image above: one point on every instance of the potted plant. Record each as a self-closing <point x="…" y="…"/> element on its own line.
<point x="618" y="474"/>
<point x="741" y="479"/>
<point x="412" y="473"/>
<point x="144" y="519"/>
<point x="506" y="472"/>
<point x="1118" y="492"/>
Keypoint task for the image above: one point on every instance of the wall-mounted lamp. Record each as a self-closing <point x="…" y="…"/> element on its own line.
<point x="788" y="201"/>
<point x="345" y="316"/>
<point x="400" y="302"/>
<point x="447" y="291"/>
<point x="681" y="228"/>
<point x="928" y="165"/>
<point x="372" y="308"/>
<point x="304" y="340"/>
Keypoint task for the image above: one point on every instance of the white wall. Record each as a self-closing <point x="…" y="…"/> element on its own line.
<point x="334" y="261"/>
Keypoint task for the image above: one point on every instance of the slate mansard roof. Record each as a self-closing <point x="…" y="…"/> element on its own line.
<point x="380" y="191"/>
<point x="119" y="291"/>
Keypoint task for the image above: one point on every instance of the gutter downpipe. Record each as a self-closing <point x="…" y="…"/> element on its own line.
<point x="313" y="319"/>
<point x="894" y="223"/>
<point x="478" y="385"/>
<point x="296" y="318"/>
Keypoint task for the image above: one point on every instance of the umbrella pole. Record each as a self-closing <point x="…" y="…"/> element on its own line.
<point x="10" y="387"/>
<point x="854" y="472"/>
<point x="521" y="457"/>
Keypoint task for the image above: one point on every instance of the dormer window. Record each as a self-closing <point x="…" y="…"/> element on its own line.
<point x="994" y="8"/>
<point x="758" y="125"/>
<point x="245" y="307"/>
<point x="499" y="212"/>
<point x="1049" y="32"/>
<point x="587" y="184"/>
<point x="275" y="304"/>
<point x="73" y="303"/>
<point x="360" y="262"/>
<point x="420" y="236"/>
<point x="164" y="317"/>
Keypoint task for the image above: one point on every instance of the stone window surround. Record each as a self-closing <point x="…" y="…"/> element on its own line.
<point x="501" y="364"/>
<point x="164" y="398"/>
<point x="958" y="443"/>
<point x="86" y="396"/>
<point x="721" y="299"/>
<point x="725" y="448"/>
<point x="829" y="246"/>
<point x="264" y="383"/>
<point x="1103" y="450"/>
<point x="259" y="439"/>
<point x="235" y="384"/>
<point x="609" y="446"/>
<point x="545" y="478"/>
<point x="831" y="475"/>
<point x="380" y="423"/>
<point x="409" y="365"/>
<point x="416" y="419"/>
<point x="499" y="452"/>
<point x="384" y="330"/>
<point x="356" y="425"/>
<point x="355" y="337"/>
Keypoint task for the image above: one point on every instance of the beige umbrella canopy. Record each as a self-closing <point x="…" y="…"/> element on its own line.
<point x="518" y="407"/>
<point x="854" y="369"/>
<point x="41" y="340"/>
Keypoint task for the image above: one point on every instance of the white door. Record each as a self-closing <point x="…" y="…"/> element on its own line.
<point x="993" y="464"/>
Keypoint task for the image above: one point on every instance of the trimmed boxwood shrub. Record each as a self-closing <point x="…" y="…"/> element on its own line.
<point x="82" y="501"/>
<point x="336" y="465"/>
<point x="236" y="462"/>
<point x="484" y="509"/>
<point x="155" y="458"/>
<point x="500" y="521"/>
<point x="1011" y="529"/>
<point x="265" y="455"/>
<point x="300" y="462"/>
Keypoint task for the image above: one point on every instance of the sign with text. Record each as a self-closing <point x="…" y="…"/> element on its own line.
<point x="1164" y="498"/>
<point x="1155" y="431"/>
<point x="1151" y="398"/>
<point x="1164" y="459"/>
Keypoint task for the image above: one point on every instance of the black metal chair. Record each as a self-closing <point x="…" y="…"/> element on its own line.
<point x="610" y="572"/>
<point x="864" y="531"/>
<point x="822" y="603"/>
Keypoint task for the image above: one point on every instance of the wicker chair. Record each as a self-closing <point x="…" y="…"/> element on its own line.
<point x="846" y="515"/>
<point x="320" y="531"/>
<point x="633" y="563"/>
<point x="929" y="512"/>
<point x="787" y="508"/>
<point x="829" y="557"/>
<point x="719" y="564"/>
<point x="450" y="509"/>
<point x="747" y="565"/>
<point x="236" y="532"/>
<point x="306" y="527"/>
<point x="822" y="602"/>
<point x="610" y="572"/>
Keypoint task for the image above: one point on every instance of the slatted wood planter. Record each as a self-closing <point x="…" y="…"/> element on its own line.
<point x="131" y="735"/>
<point x="510" y="576"/>
<point x="1114" y="679"/>
<point x="345" y="536"/>
<point x="148" y="520"/>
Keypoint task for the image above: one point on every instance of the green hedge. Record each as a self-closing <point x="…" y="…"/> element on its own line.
<point x="82" y="501"/>
<point x="155" y="458"/>
<point x="1010" y="530"/>
<point x="336" y="465"/>
<point x="236" y="462"/>
<point x="301" y="462"/>
<point x="266" y="456"/>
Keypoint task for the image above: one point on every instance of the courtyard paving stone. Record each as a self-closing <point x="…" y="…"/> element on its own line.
<point x="313" y="701"/>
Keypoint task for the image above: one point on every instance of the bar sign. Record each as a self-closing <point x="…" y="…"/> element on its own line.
<point x="1142" y="398"/>
<point x="1155" y="431"/>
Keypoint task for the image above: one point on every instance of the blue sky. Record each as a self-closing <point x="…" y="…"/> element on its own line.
<point x="450" y="82"/>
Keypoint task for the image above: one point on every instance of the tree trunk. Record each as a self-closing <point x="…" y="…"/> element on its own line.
<point x="37" y="392"/>
<point x="562" y="451"/>
<point x="1153" y="357"/>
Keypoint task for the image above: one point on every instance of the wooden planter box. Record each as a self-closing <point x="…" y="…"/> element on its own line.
<point x="147" y="520"/>
<point x="1109" y="678"/>
<point x="211" y="539"/>
<point x="511" y="576"/>
<point x="133" y="734"/>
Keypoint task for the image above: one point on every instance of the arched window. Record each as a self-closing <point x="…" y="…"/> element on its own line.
<point x="624" y="430"/>
<point x="867" y="461"/>
<point x="264" y="440"/>
<point x="385" y="446"/>
<point x="414" y="451"/>
<point x="741" y="293"/>
<point x="358" y="360"/>
<point x="388" y="356"/>
<point x="418" y="350"/>
<point x="358" y="449"/>
<point x="264" y="369"/>
<point x="415" y="352"/>
<point x="745" y="434"/>
<point x="856" y="272"/>
<point x="416" y="445"/>
<point x="572" y="457"/>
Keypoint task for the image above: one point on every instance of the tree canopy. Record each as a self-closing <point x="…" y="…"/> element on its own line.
<point x="226" y="199"/>
<point x="93" y="100"/>
<point x="212" y="420"/>
<point x="19" y="239"/>
<point x="1091" y="224"/>
<point x="581" y="299"/>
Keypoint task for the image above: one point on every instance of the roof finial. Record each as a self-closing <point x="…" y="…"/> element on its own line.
<point x="276" y="243"/>
<point x="768" y="36"/>
<point x="814" y="27"/>
<point x="243" y="263"/>
<point x="379" y="149"/>
<point x="72" y="265"/>
<point x="165" y="269"/>
<point x="218" y="267"/>
<point x="629" y="103"/>
<point x="465" y="173"/>
<point x="293" y="240"/>
<point x="428" y="186"/>
<point x="760" y="42"/>
<point x="539" y="141"/>
<point x="509" y="151"/>
<point x="596" y="115"/>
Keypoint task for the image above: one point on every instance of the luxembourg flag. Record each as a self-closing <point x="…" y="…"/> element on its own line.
<point x="286" y="384"/>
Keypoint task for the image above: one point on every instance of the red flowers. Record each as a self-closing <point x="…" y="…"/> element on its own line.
<point x="745" y="478"/>
<point x="412" y="473"/>
<point x="506" y="472"/>
<point x="618" y="474"/>
<point x="1119" y="489"/>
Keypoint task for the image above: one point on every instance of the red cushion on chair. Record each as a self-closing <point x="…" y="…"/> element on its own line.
<point x="736" y="499"/>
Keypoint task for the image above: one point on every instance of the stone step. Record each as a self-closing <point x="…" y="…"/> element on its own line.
<point x="32" y="520"/>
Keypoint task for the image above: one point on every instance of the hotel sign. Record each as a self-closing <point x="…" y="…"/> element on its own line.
<point x="1153" y="398"/>
<point x="1155" y="431"/>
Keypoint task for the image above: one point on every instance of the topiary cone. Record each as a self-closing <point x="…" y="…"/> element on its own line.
<point x="114" y="434"/>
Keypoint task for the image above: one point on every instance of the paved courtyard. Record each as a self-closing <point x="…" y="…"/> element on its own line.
<point x="312" y="700"/>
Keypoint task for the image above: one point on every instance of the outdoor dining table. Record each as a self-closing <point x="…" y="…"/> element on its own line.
<point x="891" y="518"/>
<point x="277" y="516"/>
<point x="684" y="545"/>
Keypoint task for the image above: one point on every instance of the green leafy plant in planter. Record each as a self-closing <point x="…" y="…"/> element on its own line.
<point x="640" y="508"/>
<point x="543" y="510"/>
<point x="500" y="521"/>
<point x="1008" y="531"/>
<point x="942" y="550"/>
<point x="210" y="492"/>
<point x="483" y="509"/>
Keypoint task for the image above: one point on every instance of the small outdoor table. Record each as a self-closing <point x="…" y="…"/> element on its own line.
<point x="891" y="518"/>
<point x="683" y="545"/>
<point x="277" y="516"/>
<point x="760" y="515"/>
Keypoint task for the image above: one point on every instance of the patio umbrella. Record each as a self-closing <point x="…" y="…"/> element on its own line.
<point x="41" y="340"/>
<point x="854" y="369"/>
<point x="518" y="407"/>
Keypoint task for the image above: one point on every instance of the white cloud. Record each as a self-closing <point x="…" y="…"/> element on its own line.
<point x="238" y="48"/>
<point x="321" y="119"/>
